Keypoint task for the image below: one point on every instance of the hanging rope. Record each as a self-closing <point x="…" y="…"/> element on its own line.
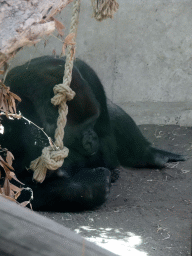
<point x="53" y="158"/>
<point x="103" y="9"/>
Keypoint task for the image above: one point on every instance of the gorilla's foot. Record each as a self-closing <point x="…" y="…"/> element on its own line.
<point x="90" y="187"/>
<point x="162" y="157"/>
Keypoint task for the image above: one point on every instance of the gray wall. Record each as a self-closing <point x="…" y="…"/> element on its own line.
<point x="143" y="56"/>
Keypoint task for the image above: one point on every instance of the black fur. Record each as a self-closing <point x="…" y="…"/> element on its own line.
<point x="99" y="135"/>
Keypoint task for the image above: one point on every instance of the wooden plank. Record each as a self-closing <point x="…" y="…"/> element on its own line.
<point x="26" y="233"/>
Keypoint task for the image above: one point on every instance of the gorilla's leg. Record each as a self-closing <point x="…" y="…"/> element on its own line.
<point x="132" y="148"/>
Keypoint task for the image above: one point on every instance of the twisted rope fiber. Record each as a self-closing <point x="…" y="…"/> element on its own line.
<point x="103" y="9"/>
<point x="53" y="158"/>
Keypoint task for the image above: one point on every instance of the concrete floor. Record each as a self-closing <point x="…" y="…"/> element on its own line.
<point x="149" y="211"/>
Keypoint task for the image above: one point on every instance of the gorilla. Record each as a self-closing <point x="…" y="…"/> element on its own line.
<point x="99" y="134"/>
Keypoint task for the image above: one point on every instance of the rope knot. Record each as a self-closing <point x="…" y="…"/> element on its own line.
<point x="50" y="159"/>
<point x="62" y="93"/>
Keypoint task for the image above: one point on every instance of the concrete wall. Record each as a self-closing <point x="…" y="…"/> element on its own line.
<point x="143" y="56"/>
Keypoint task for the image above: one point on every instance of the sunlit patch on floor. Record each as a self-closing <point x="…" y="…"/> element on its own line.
<point x="115" y="240"/>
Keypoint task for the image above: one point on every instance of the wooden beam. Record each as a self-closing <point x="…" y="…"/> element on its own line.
<point x="24" y="232"/>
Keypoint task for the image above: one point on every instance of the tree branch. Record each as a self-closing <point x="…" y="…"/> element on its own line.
<point x="24" y="22"/>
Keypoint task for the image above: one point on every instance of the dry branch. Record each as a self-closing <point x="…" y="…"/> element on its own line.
<point x="24" y="22"/>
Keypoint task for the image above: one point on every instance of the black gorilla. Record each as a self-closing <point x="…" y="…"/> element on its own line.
<point x="99" y="135"/>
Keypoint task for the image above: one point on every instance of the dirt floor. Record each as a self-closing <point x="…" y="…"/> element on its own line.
<point x="149" y="211"/>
